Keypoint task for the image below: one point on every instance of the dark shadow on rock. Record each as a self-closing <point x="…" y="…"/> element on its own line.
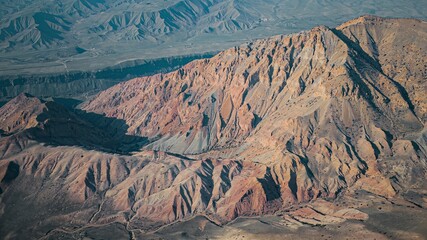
<point x="180" y="156"/>
<point x="207" y="180"/>
<point x="256" y="120"/>
<point x="12" y="172"/>
<point x="292" y="184"/>
<point x="62" y="126"/>
<point x="271" y="188"/>
<point x="69" y="103"/>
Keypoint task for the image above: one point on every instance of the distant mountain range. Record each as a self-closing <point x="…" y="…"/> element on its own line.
<point x="59" y="36"/>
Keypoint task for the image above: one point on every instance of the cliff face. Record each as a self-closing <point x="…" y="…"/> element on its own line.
<point x="253" y="130"/>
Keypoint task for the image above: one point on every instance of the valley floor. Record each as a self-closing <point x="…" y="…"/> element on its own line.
<point x="388" y="219"/>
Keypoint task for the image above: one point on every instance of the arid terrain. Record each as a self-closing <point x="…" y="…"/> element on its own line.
<point x="76" y="48"/>
<point x="315" y="135"/>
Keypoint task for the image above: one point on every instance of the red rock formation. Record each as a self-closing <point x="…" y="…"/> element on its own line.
<point x="260" y="127"/>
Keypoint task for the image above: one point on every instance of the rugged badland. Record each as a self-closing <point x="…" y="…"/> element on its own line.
<point x="316" y="128"/>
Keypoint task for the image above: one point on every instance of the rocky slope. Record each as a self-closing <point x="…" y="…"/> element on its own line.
<point x="322" y="110"/>
<point x="348" y="78"/>
<point x="258" y="129"/>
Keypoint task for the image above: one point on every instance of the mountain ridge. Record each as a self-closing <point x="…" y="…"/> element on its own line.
<point x="286" y="126"/>
<point x="299" y="88"/>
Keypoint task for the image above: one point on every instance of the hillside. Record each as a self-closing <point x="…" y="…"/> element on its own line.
<point x="304" y="133"/>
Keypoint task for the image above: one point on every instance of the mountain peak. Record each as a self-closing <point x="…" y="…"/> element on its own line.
<point x="371" y="19"/>
<point x="25" y="95"/>
<point x="361" y="19"/>
<point x="22" y="97"/>
<point x="21" y="113"/>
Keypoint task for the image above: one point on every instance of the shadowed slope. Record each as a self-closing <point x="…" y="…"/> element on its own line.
<point x="52" y="123"/>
